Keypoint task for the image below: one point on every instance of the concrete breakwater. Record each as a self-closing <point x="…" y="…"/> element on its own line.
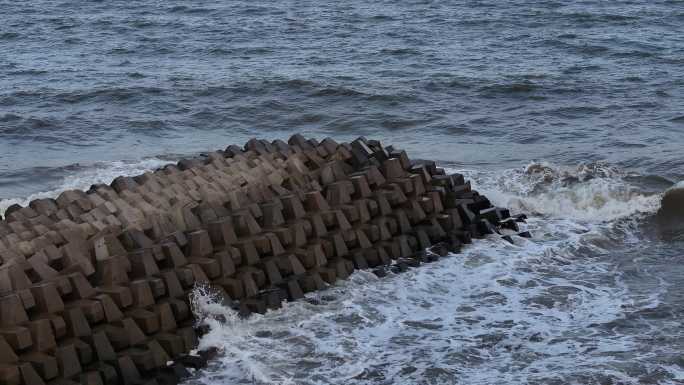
<point x="95" y="285"/>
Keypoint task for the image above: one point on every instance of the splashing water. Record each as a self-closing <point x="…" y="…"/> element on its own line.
<point x="594" y="192"/>
<point x="547" y="310"/>
<point x="471" y="318"/>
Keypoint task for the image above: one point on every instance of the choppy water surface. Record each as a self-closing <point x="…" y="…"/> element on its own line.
<point x="569" y="111"/>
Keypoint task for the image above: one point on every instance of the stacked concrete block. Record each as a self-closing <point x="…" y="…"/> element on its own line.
<point x="94" y="285"/>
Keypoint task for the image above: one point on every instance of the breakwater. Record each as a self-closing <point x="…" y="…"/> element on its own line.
<point x="95" y="284"/>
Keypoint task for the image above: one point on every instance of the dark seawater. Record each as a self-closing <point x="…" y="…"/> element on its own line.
<point x="570" y="111"/>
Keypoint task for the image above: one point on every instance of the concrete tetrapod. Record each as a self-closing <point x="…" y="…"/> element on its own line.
<point x="95" y="285"/>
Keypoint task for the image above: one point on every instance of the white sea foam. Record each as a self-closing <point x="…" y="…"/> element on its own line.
<point x="103" y="172"/>
<point x="594" y="192"/>
<point x="497" y="313"/>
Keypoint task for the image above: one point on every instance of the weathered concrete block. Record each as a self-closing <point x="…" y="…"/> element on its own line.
<point x="185" y="276"/>
<point x="10" y="374"/>
<point x="339" y="193"/>
<point x="128" y="372"/>
<point x="91" y="378"/>
<point x="248" y="252"/>
<point x="262" y="244"/>
<point x="291" y="264"/>
<point x="134" y="239"/>
<point x="509" y="223"/>
<point x="147" y="321"/>
<point x="29" y="376"/>
<point x="486" y="227"/>
<point x="392" y="169"/>
<point x="272" y="272"/>
<point x="199" y="244"/>
<point x="141" y="293"/>
<point x="233" y="286"/>
<point x="132" y="332"/>
<point x="360" y="152"/>
<point x="181" y="309"/>
<point x="292" y="288"/>
<point x="328" y="275"/>
<point x="272" y="214"/>
<point x="174" y="255"/>
<point x="276" y="247"/>
<point x="18" y="337"/>
<point x="81" y="287"/>
<point x="47" y="297"/>
<point x="245" y="224"/>
<point x="67" y="361"/>
<point x="314" y="202"/>
<point x="210" y="266"/>
<point x="45" y="365"/>
<point x="84" y="350"/>
<point x="76" y="322"/>
<point x="113" y="270"/>
<point x="91" y="309"/>
<point x="252" y="305"/>
<point x="172" y="344"/>
<point x="121" y="295"/>
<point x="167" y="320"/>
<point x="159" y="356"/>
<point x="103" y="347"/>
<point x="491" y="214"/>
<point x="226" y="262"/>
<point x="42" y="335"/>
<point x="311" y="281"/>
<point x="375" y="177"/>
<point x="12" y="310"/>
<point x="143" y="263"/>
<point x="75" y="259"/>
<point x="249" y="285"/>
<point x="7" y="354"/>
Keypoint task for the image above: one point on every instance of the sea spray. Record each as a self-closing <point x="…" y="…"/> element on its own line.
<point x="594" y="192"/>
<point x="469" y="318"/>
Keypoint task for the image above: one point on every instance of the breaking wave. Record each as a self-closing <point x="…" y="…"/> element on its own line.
<point x="592" y="192"/>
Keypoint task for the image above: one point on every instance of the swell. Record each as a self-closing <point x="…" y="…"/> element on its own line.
<point x="81" y="96"/>
<point x="233" y="90"/>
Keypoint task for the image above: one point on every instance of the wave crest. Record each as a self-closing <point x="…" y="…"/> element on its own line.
<point x="593" y="192"/>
